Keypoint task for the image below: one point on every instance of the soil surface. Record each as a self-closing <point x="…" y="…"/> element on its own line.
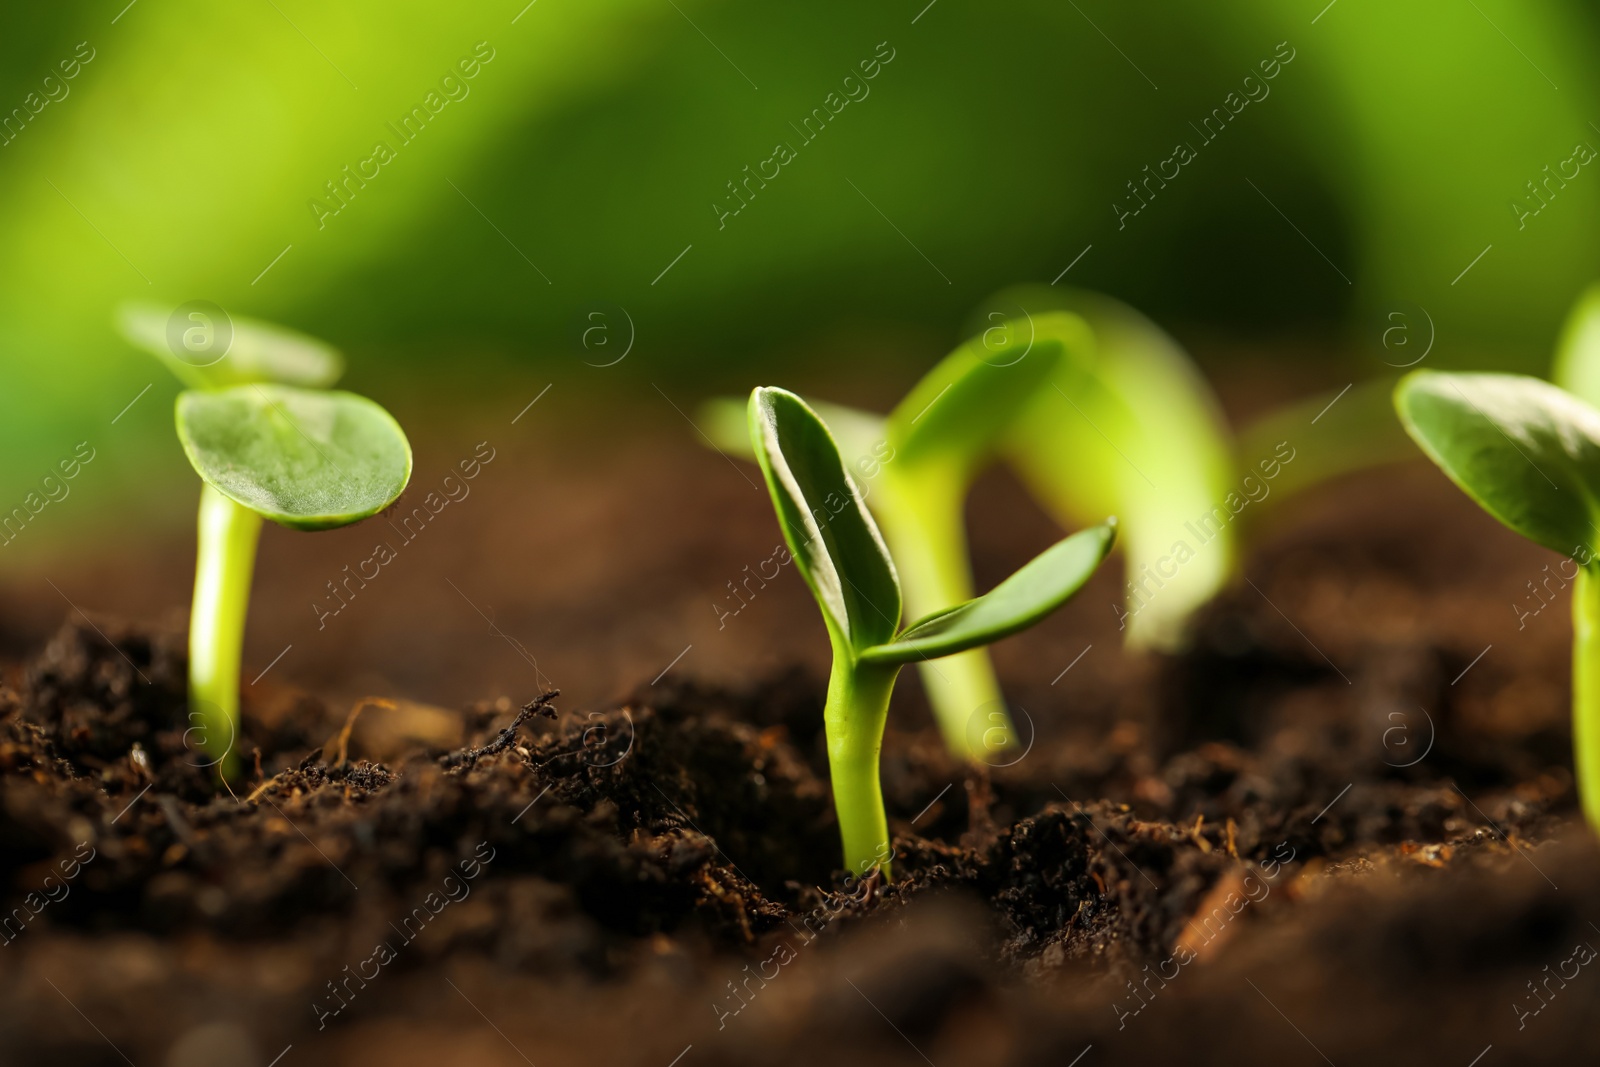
<point x="1341" y="828"/>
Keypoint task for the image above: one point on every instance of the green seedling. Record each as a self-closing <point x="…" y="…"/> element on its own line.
<point x="1144" y="437"/>
<point x="1529" y="453"/>
<point x="1111" y="417"/>
<point x="917" y="467"/>
<point x="1127" y="425"/>
<point x="266" y="447"/>
<point x="840" y="553"/>
<point x="1120" y="421"/>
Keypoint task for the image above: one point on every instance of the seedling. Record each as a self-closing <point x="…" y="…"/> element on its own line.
<point x="1109" y="416"/>
<point x="1529" y="453"/>
<point x="306" y="458"/>
<point x="1145" y="438"/>
<point x="841" y="555"/>
<point x="1120" y="421"/>
<point x="917" y="466"/>
<point x="1127" y="425"/>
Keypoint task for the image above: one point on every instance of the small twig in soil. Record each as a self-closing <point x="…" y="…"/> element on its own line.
<point x="540" y="705"/>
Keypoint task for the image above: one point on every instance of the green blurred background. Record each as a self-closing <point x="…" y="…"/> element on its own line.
<point x="592" y="145"/>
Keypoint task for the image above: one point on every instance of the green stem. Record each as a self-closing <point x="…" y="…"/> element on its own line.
<point x="224" y="564"/>
<point x="857" y="708"/>
<point x="925" y="525"/>
<point x="1586" y="692"/>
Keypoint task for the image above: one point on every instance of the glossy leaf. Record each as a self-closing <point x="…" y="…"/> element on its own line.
<point x="1039" y="588"/>
<point x="1527" y="451"/>
<point x="834" y="542"/>
<point x="309" y="459"/>
<point x="209" y="349"/>
<point x="1577" y="364"/>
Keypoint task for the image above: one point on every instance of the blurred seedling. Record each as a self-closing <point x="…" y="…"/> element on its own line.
<point x="1132" y="427"/>
<point x="842" y="557"/>
<point x="270" y="440"/>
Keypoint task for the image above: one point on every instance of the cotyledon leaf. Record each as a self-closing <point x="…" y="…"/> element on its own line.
<point x="1039" y="588"/>
<point x="1527" y="451"/>
<point x="1129" y="427"/>
<point x="832" y="538"/>
<point x="308" y="459"/>
<point x="206" y="348"/>
<point x="955" y="414"/>
<point x="1577" y="363"/>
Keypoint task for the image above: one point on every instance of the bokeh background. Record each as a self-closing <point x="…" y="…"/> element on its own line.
<point x="570" y="202"/>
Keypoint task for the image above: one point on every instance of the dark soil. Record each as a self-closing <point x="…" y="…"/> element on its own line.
<point x="1337" y="839"/>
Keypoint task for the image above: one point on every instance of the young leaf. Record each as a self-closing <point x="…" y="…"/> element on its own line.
<point x="1040" y="587"/>
<point x="207" y="349"/>
<point x="1527" y="451"/>
<point x="953" y="417"/>
<point x="1577" y="365"/>
<point x="725" y="421"/>
<point x="309" y="459"/>
<point x="1332" y="433"/>
<point x="1129" y="427"/>
<point x="834" y="542"/>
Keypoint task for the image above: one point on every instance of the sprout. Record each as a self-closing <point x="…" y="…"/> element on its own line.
<point x="208" y="349"/>
<point x="843" y="559"/>
<point x="1529" y="453"/>
<point x="1132" y="427"/>
<point x="1099" y="411"/>
<point x="1128" y="425"/>
<point x="306" y="458"/>
<point x="919" y="464"/>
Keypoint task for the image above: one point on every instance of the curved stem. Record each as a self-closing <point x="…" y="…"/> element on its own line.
<point x="857" y="708"/>
<point x="1586" y="692"/>
<point x="924" y="523"/>
<point x="224" y="563"/>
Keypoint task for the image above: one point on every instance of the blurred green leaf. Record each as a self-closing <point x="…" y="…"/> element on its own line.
<point x="220" y="350"/>
<point x="1332" y="433"/>
<point x="1129" y="427"/>
<point x="1577" y="363"/>
<point x="956" y="413"/>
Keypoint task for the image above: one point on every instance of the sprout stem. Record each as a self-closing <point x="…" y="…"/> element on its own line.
<point x="223" y="567"/>
<point x="1586" y="691"/>
<point x="857" y="708"/>
<point x="925" y="526"/>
